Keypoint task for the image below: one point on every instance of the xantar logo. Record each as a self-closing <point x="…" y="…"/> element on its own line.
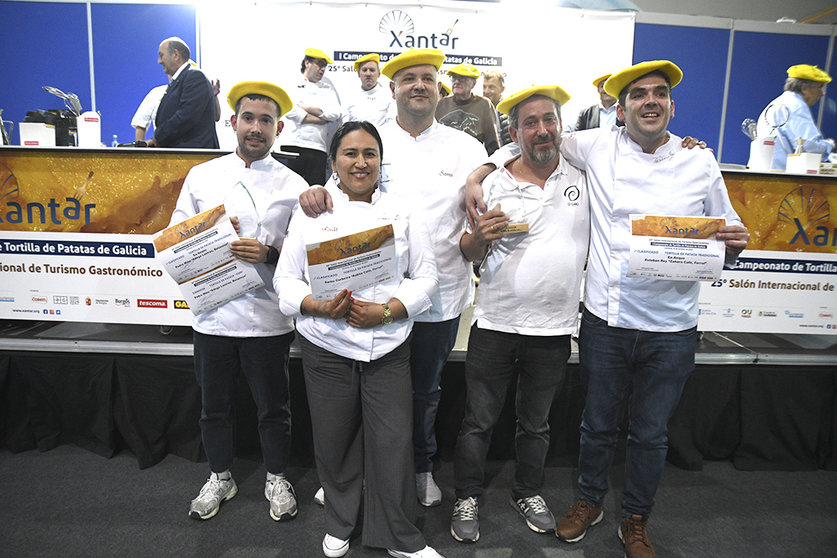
<point x="150" y="303"/>
<point x="181" y="304"/>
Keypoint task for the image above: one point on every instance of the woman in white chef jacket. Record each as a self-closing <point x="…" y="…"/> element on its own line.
<point x="355" y="348"/>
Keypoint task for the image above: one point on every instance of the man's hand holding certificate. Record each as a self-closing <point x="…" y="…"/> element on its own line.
<point x="196" y="253"/>
<point x="676" y="248"/>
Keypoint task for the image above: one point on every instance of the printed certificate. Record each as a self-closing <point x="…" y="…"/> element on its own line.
<point x="676" y="248"/>
<point x="196" y="254"/>
<point x="354" y="262"/>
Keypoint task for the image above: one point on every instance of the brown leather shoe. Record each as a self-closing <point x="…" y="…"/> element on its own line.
<point x="632" y="532"/>
<point x="574" y="525"/>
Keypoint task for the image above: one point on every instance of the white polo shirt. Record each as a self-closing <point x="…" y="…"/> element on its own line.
<point x="530" y="283"/>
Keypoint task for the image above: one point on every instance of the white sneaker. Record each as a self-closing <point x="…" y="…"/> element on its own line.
<point x="334" y="547"/>
<point x="319" y="497"/>
<point x="425" y="552"/>
<point x="427" y="490"/>
<point x="213" y="492"/>
<point x="281" y="496"/>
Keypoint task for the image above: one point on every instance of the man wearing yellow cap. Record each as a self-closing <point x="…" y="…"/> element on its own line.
<point x="465" y="111"/>
<point x="426" y="164"/>
<point x="248" y="335"/>
<point x="803" y="88"/>
<point x="373" y="102"/>
<point x="638" y="335"/>
<point x="601" y="115"/>
<point x="532" y="245"/>
<point x="316" y="104"/>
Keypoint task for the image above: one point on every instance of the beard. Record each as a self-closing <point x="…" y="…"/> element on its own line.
<point x="544" y="155"/>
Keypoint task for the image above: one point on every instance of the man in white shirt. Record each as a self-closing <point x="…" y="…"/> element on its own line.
<point x="306" y="125"/>
<point x="426" y="163"/>
<point x="532" y="245"/>
<point x="247" y="335"/>
<point x="638" y="336"/>
<point x="373" y="102"/>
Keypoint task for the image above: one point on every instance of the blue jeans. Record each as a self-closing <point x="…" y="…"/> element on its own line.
<point x="642" y="371"/>
<point x="264" y="363"/>
<point x="430" y="347"/>
<point x="493" y="361"/>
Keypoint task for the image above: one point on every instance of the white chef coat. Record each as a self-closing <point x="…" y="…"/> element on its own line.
<point x="275" y="190"/>
<point x="312" y="136"/>
<point x="376" y="105"/>
<point x="414" y="282"/>
<point x="430" y="172"/>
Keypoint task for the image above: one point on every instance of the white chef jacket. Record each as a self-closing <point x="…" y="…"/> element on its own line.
<point x="147" y="111"/>
<point x="530" y="283"/>
<point x="430" y="171"/>
<point x="376" y="105"/>
<point x="414" y="282"/>
<point x="275" y="190"/>
<point x="623" y="180"/>
<point x="321" y="94"/>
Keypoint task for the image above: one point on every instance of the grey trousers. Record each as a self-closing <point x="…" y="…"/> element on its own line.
<point x="361" y="417"/>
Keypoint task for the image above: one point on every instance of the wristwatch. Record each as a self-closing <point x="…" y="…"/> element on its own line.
<point x="387" y="319"/>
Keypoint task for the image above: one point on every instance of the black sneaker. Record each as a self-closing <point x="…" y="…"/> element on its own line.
<point x="465" y="523"/>
<point x="534" y="511"/>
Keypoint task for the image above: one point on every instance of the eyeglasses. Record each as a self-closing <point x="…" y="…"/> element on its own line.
<point x="320" y="62"/>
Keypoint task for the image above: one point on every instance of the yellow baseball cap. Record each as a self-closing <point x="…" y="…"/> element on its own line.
<point x="598" y="80"/>
<point x="413" y="57"/>
<point x="618" y="81"/>
<point x="371" y="57"/>
<point x="464" y="69"/>
<point x="265" y="88"/>
<point x="317" y="53"/>
<point x="806" y="71"/>
<point x="554" y="92"/>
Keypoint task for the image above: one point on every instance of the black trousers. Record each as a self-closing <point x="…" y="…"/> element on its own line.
<point x="264" y="363"/>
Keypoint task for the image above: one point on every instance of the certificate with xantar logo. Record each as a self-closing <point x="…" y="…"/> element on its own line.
<point x="354" y="262"/>
<point x="677" y="248"/>
<point x="196" y="253"/>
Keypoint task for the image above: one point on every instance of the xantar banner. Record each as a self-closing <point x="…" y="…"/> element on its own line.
<point x="75" y="229"/>
<point x="786" y="282"/>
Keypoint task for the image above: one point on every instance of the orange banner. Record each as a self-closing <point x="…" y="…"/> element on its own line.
<point x="786" y="213"/>
<point x="131" y="191"/>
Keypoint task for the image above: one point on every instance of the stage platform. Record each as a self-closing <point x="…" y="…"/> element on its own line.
<point x="761" y="401"/>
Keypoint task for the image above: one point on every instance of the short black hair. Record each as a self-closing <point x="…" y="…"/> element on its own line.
<point x="353" y="126"/>
<point x="257" y="97"/>
<point x="623" y="95"/>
